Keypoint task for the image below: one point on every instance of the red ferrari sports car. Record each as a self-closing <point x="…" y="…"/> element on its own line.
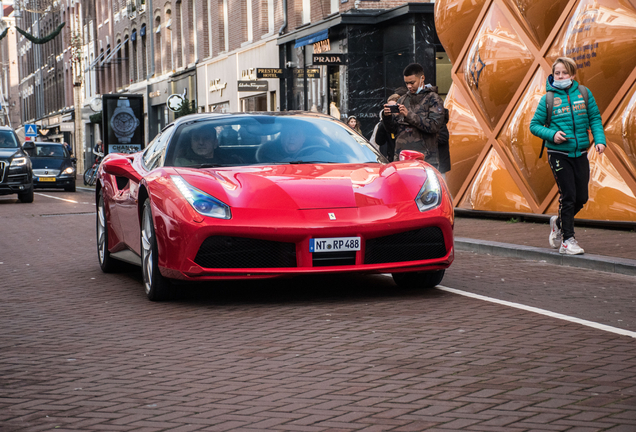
<point x="264" y="195"/>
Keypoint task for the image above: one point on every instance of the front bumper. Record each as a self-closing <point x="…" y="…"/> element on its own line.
<point x="180" y="242"/>
<point x="53" y="182"/>
<point x="14" y="180"/>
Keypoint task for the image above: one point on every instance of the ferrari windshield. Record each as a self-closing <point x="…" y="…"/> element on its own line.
<point x="252" y="139"/>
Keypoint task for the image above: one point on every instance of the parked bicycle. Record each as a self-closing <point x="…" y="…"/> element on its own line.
<point x="90" y="175"/>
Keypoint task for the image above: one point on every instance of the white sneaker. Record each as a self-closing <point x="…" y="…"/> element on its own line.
<point x="571" y="247"/>
<point x="555" y="233"/>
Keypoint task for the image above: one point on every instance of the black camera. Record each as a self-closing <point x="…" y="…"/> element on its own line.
<point x="394" y="108"/>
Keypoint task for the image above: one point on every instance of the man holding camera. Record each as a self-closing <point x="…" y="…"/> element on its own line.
<point x="417" y="117"/>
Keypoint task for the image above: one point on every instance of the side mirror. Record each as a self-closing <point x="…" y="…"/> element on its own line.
<point x="121" y="167"/>
<point x="406" y="155"/>
<point x="28" y="146"/>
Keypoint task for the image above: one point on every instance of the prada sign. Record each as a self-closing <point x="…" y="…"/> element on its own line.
<point x="329" y="59"/>
<point x="252" y="86"/>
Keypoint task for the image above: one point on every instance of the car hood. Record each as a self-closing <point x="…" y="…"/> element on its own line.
<point x="6" y="153"/>
<point x="50" y="163"/>
<point x="310" y="186"/>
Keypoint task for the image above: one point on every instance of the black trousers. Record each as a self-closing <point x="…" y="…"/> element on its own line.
<point x="572" y="176"/>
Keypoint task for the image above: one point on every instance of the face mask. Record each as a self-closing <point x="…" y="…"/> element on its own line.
<point x="421" y="87"/>
<point x="563" y="84"/>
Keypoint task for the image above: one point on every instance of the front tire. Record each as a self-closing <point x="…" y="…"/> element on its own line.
<point x="107" y="264"/>
<point x="26" y="197"/>
<point x="157" y="287"/>
<point x="413" y="280"/>
<point x="70" y="188"/>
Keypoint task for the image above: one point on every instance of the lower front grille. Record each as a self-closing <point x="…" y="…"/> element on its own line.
<point x="2" y="167"/>
<point x="325" y="259"/>
<point x="240" y="252"/>
<point x="422" y="244"/>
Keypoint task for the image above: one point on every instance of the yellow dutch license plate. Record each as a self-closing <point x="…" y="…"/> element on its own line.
<point x="46" y="179"/>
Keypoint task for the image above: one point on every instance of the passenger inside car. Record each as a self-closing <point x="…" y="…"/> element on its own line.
<point x="200" y="146"/>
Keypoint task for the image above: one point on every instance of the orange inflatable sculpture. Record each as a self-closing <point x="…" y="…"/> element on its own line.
<point x="502" y="52"/>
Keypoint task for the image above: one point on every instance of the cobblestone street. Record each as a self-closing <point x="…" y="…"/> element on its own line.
<point x="81" y="350"/>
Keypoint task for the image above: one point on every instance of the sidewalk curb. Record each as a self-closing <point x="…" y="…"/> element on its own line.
<point x="591" y="262"/>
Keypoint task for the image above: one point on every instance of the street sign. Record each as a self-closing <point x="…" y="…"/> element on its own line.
<point x="251" y="86"/>
<point x="67" y="127"/>
<point x="175" y="102"/>
<point x="269" y="73"/>
<point x="329" y="59"/>
<point x="311" y="73"/>
<point x="30" y="130"/>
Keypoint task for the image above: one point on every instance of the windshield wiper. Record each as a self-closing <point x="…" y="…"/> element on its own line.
<point x="205" y="165"/>
<point x="298" y="162"/>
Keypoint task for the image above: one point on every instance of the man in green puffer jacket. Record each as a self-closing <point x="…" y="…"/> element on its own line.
<point x="567" y="140"/>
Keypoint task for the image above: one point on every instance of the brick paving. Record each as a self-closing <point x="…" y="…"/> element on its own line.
<point x="620" y="243"/>
<point x="84" y="351"/>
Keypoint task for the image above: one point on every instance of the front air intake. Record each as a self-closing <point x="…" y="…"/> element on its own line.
<point x="240" y="252"/>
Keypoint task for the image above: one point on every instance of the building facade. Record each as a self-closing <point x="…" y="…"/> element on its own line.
<point x="43" y="95"/>
<point x="220" y="55"/>
<point x="502" y="57"/>
<point x="9" y="75"/>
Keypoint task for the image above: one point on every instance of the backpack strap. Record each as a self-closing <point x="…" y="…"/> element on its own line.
<point x="584" y="93"/>
<point x="549" y="105"/>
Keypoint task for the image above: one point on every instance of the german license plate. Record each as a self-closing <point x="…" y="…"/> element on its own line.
<point x="46" y="179"/>
<point x="335" y="244"/>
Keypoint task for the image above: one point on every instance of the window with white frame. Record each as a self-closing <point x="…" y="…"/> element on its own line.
<point x="270" y="16"/>
<point x="250" y="30"/>
<point x="226" y="19"/>
<point x="195" y="36"/>
<point x="306" y="11"/>
<point x="335" y="6"/>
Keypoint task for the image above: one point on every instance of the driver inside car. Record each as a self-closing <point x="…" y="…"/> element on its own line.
<point x="293" y="146"/>
<point x="203" y="150"/>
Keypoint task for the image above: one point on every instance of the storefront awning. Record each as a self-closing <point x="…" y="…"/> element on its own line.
<point x="312" y="38"/>
<point x="117" y="48"/>
<point x="94" y="62"/>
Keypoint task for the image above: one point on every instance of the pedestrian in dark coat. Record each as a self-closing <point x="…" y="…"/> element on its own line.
<point x="420" y="117"/>
<point x="442" y="147"/>
<point x="383" y="139"/>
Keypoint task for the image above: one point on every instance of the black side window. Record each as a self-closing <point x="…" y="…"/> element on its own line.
<point x="155" y="154"/>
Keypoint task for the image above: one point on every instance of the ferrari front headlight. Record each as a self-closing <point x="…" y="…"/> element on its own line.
<point x="430" y="195"/>
<point x="200" y="201"/>
<point x="19" y="161"/>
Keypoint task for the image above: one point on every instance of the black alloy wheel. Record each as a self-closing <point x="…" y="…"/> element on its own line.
<point x="106" y="262"/>
<point x="157" y="287"/>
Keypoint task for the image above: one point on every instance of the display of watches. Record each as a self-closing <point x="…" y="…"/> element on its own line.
<point x="123" y="122"/>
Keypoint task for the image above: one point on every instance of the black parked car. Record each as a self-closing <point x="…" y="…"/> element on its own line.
<point x="15" y="167"/>
<point x="53" y="166"/>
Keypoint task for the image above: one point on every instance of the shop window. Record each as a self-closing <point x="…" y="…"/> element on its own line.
<point x="223" y="107"/>
<point x="443" y="73"/>
<point x="254" y="103"/>
<point x="272" y="101"/>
